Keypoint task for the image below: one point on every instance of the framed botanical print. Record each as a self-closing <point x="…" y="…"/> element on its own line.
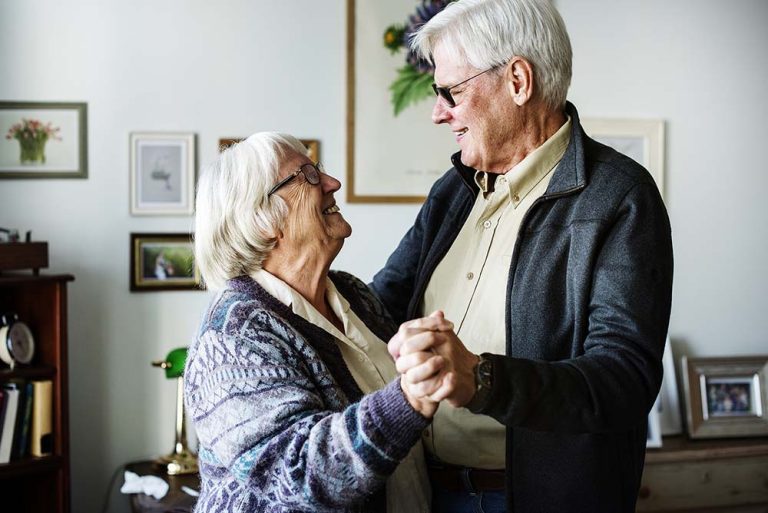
<point x="162" y="173"/>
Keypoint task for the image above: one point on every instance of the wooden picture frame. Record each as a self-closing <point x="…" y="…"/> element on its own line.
<point x="639" y="139"/>
<point x="390" y="159"/>
<point x="312" y="145"/>
<point x="163" y="261"/>
<point x="162" y="173"/>
<point x="726" y="397"/>
<point x="43" y="140"/>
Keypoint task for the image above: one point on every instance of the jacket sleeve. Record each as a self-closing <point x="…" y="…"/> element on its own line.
<point x="613" y="382"/>
<point x="395" y="283"/>
<point x="260" y="416"/>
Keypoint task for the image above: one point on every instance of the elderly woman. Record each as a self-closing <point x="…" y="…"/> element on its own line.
<point x="296" y="401"/>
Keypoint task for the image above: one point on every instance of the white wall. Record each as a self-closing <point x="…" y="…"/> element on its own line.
<point x="231" y="68"/>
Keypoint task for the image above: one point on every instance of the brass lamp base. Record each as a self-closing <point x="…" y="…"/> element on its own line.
<point x="176" y="464"/>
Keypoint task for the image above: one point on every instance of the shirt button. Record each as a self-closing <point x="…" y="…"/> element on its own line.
<point x="515" y="198"/>
<point x="487" y="224"/>
<point x="470" y="275"/>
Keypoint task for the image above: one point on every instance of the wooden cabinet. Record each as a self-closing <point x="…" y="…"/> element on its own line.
<point x="40" y="484"/>
<point x="706" y="476"/>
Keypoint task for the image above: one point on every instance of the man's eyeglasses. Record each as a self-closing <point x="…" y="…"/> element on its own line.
<point x="445" y="92"/>
<point x="311" y="173"/>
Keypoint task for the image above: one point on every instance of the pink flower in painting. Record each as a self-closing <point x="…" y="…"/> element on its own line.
<point x="33" y="129"/>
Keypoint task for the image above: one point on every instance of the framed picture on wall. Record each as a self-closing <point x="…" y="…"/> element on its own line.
<point x="639" y="139"/>
<point x="726" y="397"/>
<point x="162" y="173"/>
<point x="163" y="261"/>
<point x="391" y="158"/>
<point x="313" y="145"/>
<point x="43" y="140"/>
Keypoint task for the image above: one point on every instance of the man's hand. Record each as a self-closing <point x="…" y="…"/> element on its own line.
<point x="422" y="379"/>
<point x="415" y="349"/>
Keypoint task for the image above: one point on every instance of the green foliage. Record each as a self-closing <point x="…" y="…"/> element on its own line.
<point x="410" y="87"/>
<point x="393" y="38"/>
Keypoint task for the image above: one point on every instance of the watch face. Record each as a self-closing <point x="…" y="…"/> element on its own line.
<point x="20" y="343"/>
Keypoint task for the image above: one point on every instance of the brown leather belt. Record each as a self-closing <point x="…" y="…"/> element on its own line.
<point x="462" y="479"/>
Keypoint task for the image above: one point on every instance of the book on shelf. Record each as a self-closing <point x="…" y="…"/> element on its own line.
<point x="11" y="396"/>
<point x="20" y="447"/>
<point x="41" y="430"/>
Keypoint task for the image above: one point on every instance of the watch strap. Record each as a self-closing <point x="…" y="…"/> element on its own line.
<point x="483" y="384"/>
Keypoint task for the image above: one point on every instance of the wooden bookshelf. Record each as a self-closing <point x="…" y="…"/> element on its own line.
<point x="42" y="484"/>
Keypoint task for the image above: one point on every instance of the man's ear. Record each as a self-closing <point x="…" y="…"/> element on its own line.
<point x="518" y="74"/>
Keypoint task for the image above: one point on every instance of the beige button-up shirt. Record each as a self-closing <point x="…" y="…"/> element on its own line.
<point x="470" y="286"/>
<point x="369" y="362"/>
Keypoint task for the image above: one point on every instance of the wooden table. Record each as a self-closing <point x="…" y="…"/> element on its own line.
<point x="706" y="476"/>
<point x="176" y="500"/>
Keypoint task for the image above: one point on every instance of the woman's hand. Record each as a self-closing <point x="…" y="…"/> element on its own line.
<point x="424" y="379"/>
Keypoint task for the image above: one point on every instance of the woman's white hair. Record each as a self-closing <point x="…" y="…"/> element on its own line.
<point x="235" y="222"/>
<point x="488" y="33"/>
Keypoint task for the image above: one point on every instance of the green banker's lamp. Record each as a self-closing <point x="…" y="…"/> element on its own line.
<point x="181" y="460"/>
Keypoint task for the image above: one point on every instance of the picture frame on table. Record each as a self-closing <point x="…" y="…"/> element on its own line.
<point x="43" y="140"/>
<point x="668" y="403"/>
<point x="163" y="261"/>
<point x="640" y="139"/>
<point x="312" y="145"/>
<point x="162" y="173"/>
<point x="653" y="439"/>
<point x="390" y="158"/>
<point x="726" y="396"/>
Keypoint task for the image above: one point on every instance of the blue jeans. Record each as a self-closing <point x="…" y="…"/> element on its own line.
<point x="445" y="501"/>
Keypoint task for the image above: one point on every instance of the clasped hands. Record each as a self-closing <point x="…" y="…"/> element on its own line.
<point x="434" y="365"/>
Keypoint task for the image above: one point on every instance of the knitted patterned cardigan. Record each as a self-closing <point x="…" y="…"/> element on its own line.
<point x="281" y="424"/>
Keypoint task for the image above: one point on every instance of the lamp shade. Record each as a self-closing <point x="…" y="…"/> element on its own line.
<point x="173" y="363"/>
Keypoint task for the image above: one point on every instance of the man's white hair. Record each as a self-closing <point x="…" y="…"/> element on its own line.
<point x="235" y="222"/>
<point x="488" y="33"/>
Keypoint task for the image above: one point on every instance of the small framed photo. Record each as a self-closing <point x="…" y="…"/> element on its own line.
<point x="653" y="439"/>
<point x="726" y="397"/>
<point x="163" y="261"/>
<point x="313" y="145"/>
<point x="668" y="403"/>
<point x="640" y="139"/>
<point x="43" y="140"/>
<point x="162" y="173"/>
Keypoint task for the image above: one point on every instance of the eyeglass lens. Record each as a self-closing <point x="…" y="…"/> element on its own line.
<point x="445" y="92"/>
<point x="312" y="172"/>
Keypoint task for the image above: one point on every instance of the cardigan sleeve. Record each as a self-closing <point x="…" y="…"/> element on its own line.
<point x="259" y="400"/>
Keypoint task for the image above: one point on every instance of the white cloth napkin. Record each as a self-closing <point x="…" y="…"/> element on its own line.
<point x="151" y="485"/>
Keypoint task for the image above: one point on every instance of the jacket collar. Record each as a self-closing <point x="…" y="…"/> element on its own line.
<point x="570" y="175"/>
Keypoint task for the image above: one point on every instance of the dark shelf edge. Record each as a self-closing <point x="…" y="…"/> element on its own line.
<point x="29" y="466"/>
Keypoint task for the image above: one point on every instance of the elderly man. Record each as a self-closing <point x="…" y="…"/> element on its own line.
<point x="552" y="255"/>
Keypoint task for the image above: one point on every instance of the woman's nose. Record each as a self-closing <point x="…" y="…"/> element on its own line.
<point x="329" y="183"/>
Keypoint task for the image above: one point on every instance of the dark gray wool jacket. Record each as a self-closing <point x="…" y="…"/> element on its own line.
<point x="587" y="310"/>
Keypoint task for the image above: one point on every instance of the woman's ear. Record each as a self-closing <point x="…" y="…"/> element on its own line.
<point x="518" y="75"/>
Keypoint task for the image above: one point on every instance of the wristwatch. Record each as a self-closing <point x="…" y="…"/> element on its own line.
<point x="483" y="384"/>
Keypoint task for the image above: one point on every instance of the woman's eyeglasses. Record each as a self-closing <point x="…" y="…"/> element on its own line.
<point x="445" y="92"/>
<point x="311" y="173"/>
